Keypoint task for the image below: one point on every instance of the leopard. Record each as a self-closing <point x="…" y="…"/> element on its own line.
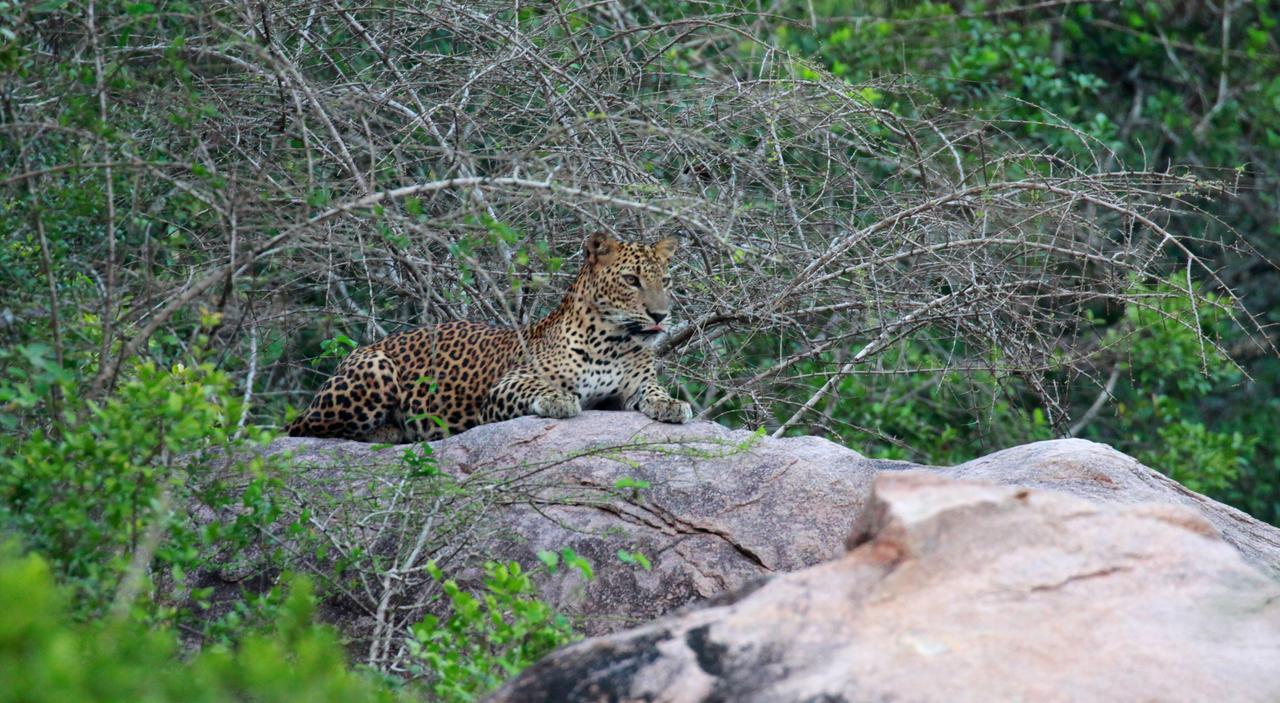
<point x="596" y="349"/>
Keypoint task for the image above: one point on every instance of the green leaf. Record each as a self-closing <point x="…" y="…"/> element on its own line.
<point x="635" y="558"/>
<point x="549" y="559"/>
<point x="629" y="482"/>
<point x="572" y="559"/>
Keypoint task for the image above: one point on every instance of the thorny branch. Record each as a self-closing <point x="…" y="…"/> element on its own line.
<point x="437" y="161"/>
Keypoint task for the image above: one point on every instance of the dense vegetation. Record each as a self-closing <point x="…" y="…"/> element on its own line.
<point x="929" y="230"/>
<point x="1162" y="85"/>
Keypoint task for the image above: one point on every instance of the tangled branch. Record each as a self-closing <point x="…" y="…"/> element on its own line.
<point x="346" y="167"/>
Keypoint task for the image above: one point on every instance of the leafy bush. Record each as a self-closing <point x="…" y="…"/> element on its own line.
<point x="46" y="656"/>
<point x="1167" y="355"/>
<point x="103" y="492"/>
<point x="486" y="638"/>
<point x="105" y="495"/>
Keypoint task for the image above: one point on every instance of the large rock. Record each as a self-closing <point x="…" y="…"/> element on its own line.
<point x="722" y="509"/>
<point x="957" y="591"/>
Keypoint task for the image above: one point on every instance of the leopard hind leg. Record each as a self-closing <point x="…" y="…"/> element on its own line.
<point x="361" y="401"/>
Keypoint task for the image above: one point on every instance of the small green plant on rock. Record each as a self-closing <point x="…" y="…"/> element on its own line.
<point x="488" y="636"/>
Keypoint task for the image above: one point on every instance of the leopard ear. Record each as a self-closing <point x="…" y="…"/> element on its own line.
<point x="600" y="248"/>
<point x="666" y="247"/>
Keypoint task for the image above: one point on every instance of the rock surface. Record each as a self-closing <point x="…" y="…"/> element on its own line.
<point x="722" y="507"/>
<point x="1100" y="473"/>
<point x="959" y="591"/>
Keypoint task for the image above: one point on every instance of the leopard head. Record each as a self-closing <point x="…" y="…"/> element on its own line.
<point x="629" y="285"/>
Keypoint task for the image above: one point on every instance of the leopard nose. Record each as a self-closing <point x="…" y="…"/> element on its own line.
<point x="657" y="316"/>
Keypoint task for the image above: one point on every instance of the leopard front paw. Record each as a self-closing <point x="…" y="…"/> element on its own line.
<point x="668" y="410"/>
<point x="557" y="404"/>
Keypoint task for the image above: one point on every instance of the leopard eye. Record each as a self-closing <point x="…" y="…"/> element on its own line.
<point x="632" y="280"/>
<point x="666" y="281"/>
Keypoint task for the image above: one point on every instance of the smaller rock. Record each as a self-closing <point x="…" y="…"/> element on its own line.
<point x="960" y="591"/>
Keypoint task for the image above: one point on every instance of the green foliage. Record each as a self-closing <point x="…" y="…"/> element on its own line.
<point x="487" y="637"/>
<point x="45" y="656"/>
<point x="1163" y="350"/>
<point x="1201" y="459"/>
<point x="1152" y="84"/>
<point x="568" y="558"/>
<point x="31" y="379"/>
<point x="634" y="558"/>
<point x="912" y="405"/>
<point x="104" y="496"/>
<point x="1118" y="73"/>
<point x="1169" y="369"/>
<point x="420" y="461"/>
<point x="629" y="482"/>
<point x="336" y="347"/>
<point x="109" y="483"/>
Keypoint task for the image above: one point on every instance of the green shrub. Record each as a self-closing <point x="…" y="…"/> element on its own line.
<point x="105" y="491"/>
<point x="1168" y="372"/>
<point x="486" y="638"/>
<point x="46" y="656"/>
